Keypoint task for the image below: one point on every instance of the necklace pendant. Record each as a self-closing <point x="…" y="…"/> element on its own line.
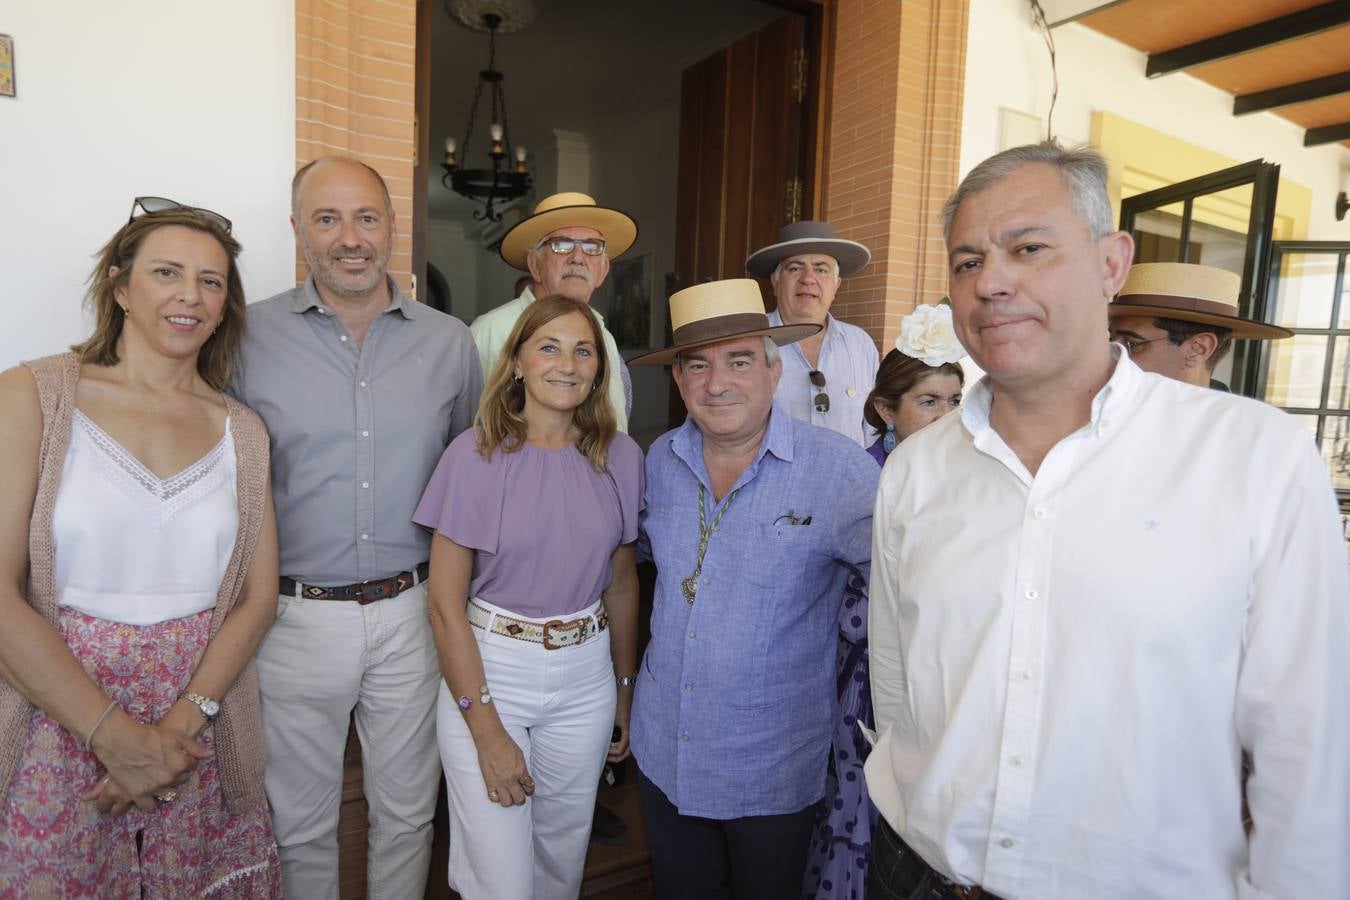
<point x="689" y="587"/>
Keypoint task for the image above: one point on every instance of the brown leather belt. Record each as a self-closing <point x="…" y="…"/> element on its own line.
<point x="363" y="592"/>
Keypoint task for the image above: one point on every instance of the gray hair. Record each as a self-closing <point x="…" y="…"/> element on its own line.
<point x="1083" y="169"/>
<point x="778" y="269"/>
<point x="771" y="354"/>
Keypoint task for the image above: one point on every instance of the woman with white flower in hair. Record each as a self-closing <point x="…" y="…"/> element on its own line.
<point x="918" y="382"/>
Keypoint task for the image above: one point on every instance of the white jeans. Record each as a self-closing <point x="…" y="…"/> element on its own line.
<point x="558" y="706"/>
<point x="321" y="659"/>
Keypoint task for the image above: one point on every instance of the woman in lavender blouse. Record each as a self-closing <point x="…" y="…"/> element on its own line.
<point x="533" y="604"/>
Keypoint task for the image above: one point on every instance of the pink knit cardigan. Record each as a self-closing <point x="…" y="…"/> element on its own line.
<point x="238" y="728"/>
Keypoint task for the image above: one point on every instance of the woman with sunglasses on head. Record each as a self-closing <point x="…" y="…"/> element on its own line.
<point x="918" y="383"/>
<point x="137" y="574"/>
<point x="533" y="604"/>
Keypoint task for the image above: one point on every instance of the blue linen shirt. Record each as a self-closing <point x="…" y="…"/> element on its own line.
<point x="735" y="694"/>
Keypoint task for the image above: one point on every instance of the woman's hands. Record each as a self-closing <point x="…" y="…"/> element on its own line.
<point x="142" y="760"/>
<point x="623" y="712"/>
<point x="505" y="776"/>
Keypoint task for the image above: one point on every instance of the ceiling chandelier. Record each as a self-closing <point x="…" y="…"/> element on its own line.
<point x="501" y="181"/>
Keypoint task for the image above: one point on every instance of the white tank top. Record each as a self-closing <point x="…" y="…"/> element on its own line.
<point x="136" y="549"/>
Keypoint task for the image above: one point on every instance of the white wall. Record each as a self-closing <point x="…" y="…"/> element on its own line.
<point x="1007" y="66"/>
<point x="184" y="99"/>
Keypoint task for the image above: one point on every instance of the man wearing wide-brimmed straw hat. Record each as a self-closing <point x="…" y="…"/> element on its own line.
<point x="826" y="377"/>
<point x="566" y="246"/>
<point x="755" y="520"/>
<point x="1180" y="320"/>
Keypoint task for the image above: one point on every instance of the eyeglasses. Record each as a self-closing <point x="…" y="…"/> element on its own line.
<point x="164" y="204"/>
<point x="821" y="400"/>
<point x="589" y="246"/>
<point x="1131" y="345"/>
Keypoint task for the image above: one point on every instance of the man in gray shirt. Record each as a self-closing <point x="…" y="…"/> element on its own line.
<point x="361" y="389"/>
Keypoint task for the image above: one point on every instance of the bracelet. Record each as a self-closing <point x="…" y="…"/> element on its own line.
<point x="625" y="680"/>
<point x="484" y="697"/>
<point x="89" y="739"/>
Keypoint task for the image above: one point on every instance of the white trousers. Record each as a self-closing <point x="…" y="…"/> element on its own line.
<point x="558" y="706"/>
<point x="321" y="660"/>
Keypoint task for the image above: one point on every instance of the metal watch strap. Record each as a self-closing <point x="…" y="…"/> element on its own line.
<point x="210" y="708"/>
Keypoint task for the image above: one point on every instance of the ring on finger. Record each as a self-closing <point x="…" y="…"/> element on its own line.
<point x="493" y="796"/>
<point x="527" y="783"/>
<point x="167" y="796"/>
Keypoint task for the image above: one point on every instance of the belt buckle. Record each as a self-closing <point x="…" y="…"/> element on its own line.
<point x="378" y="590"/>
<point x="554" y="625"/>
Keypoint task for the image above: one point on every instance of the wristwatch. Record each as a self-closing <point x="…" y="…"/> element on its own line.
<point x="210" y="708"/>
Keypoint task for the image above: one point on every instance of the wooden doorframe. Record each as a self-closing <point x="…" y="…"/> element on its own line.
<point x="820" y="18"/>
<point x="421" y="144"/>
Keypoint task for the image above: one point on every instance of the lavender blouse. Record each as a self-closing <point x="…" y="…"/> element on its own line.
<point x="543" y="523"/>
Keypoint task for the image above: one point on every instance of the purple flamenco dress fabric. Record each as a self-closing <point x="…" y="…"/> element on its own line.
<point x="841" y="846"/>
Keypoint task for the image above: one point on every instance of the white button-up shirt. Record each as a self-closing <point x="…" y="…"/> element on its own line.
<point x="1067" y="667"/>
<point x="848" y="359"/>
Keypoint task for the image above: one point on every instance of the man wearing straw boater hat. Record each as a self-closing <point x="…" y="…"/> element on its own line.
<point x="566" y="246"/>
<point x="1180" y="320"/>
<point x="754" y="520"/>
<point x="826" y="377"/>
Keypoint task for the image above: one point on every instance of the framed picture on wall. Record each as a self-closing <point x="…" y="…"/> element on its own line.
<point x="6" y="66"/>
<point x="629" y="317"/>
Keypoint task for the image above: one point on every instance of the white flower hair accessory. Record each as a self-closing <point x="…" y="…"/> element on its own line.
<point x="927" y="334"/>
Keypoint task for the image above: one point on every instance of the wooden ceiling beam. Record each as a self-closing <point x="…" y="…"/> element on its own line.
<point x="1290" y="94"/>
<point x="1327" y="134"/>
<point x="1253" y="37"/>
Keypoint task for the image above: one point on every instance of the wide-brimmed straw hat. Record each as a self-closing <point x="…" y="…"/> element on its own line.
<point x="568" y="210"/>
<point x="1190" y="293"/>
<point x="719" y="311"/>
<point x="808" y="237"/>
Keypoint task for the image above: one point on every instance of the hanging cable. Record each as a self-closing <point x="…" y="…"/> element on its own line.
<point x="1038" y="18"/>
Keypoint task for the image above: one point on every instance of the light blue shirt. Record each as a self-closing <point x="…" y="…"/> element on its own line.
<point x="849" y="361"/>
<point x="735" y="695"/>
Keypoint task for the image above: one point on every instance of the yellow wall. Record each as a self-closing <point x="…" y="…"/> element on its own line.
<point x="1143" y="159"/>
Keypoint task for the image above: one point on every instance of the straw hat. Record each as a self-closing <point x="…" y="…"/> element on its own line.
<point x="568" y="210"/>
<point x="808" y="237"/>
<point x="719" y="311"/>
<point x="1190" y="293"/>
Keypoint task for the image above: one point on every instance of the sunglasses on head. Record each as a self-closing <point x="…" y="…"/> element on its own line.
<point x="153" y="205"/>
<point x="821" y="401"/>
<point x="589" y="246"/>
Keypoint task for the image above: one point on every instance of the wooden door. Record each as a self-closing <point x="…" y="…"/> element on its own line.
<point x="746" y="166"/>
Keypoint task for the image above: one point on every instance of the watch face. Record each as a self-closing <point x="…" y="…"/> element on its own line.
<point x="211" y="708"/>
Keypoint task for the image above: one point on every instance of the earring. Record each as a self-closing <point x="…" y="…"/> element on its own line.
<point x="517" y="379"/>
<point x="888" y="441"/>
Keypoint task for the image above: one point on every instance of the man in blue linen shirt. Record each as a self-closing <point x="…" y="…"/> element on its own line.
<point x="754" y="520"/>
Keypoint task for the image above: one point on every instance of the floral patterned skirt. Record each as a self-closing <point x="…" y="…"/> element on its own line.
<point x="53" y="844"/>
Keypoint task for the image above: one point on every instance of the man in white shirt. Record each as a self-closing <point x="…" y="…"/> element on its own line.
<point x="1092" y="591"/>
<point x="826" y="378"/>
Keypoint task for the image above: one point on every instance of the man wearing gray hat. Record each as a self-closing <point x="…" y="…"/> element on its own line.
<point x="827" y="377"/>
